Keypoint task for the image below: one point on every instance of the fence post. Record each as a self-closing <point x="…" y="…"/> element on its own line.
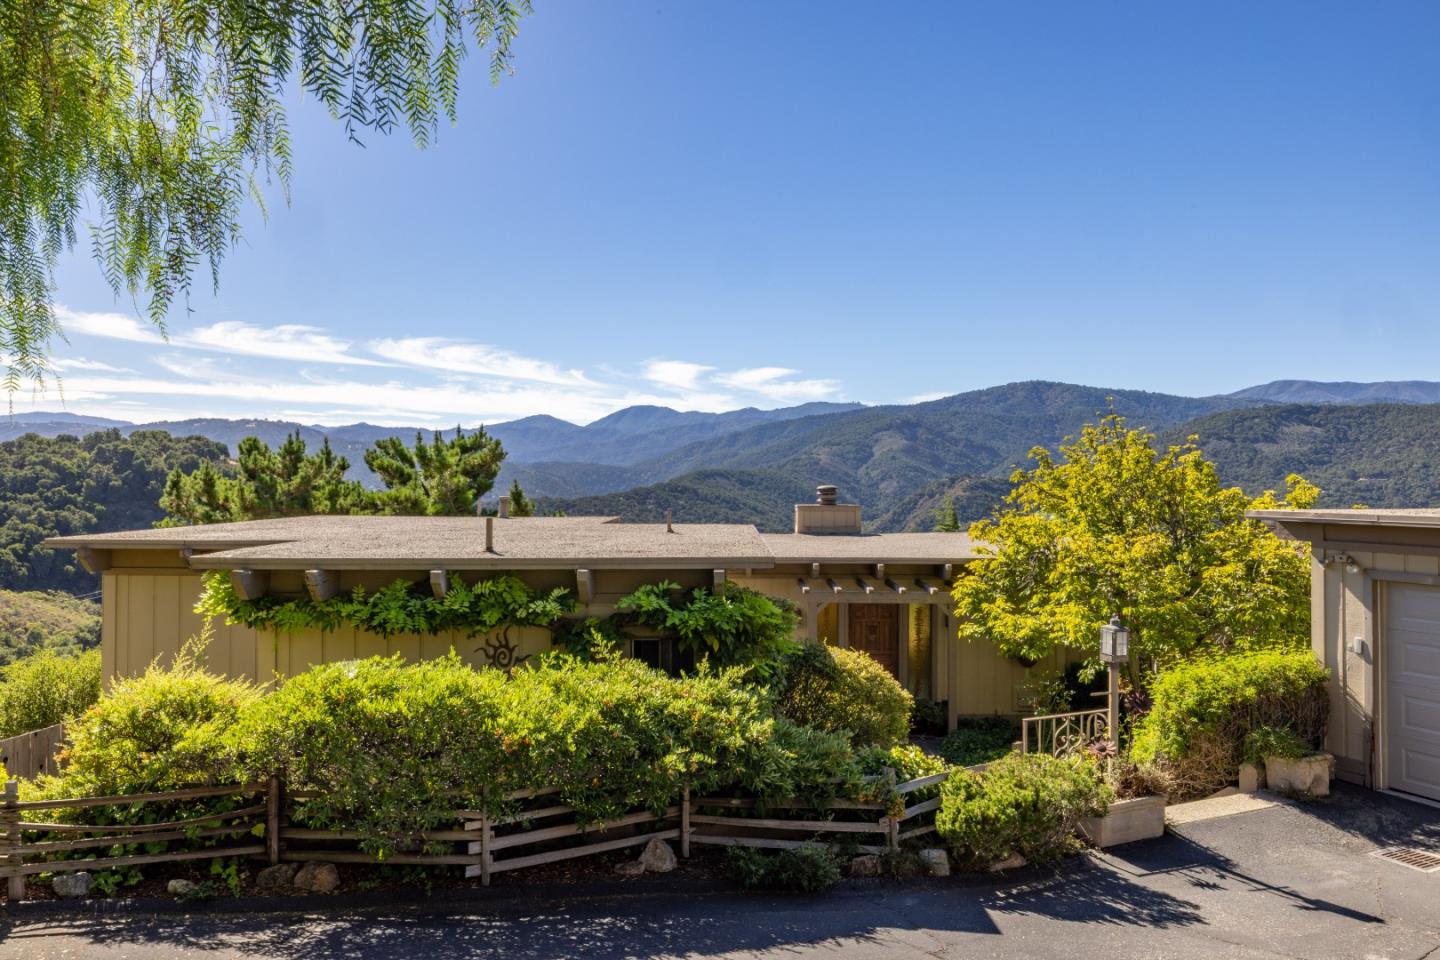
<point x="272" y="820"/>
<point x="892" y="822"/>
<point x="486" y="835"/>
<point x="685" y="822"/>
<point x="11" y="818"/>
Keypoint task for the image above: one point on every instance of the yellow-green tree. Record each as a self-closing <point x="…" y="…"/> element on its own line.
<point x="1114" y="526"/>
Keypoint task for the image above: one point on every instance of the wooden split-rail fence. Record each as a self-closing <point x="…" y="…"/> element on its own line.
<point x="541" y="830"/>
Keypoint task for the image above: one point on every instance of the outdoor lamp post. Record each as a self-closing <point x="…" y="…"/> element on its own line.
<point x="1114" y="650"/>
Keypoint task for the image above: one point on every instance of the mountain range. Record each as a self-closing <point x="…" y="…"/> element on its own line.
<point x="1362" y="442"/>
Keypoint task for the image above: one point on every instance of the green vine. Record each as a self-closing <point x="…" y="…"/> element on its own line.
<point x="402" y="607"/>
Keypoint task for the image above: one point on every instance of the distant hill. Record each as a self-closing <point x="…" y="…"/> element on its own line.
<point x="35" y="620"/>
<point x="764" y="498"/>
<point x="1381" y="455"/>
<point x="1343" y="391"/>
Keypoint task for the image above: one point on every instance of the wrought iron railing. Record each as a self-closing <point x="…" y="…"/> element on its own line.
<point x="1063" y="734"/>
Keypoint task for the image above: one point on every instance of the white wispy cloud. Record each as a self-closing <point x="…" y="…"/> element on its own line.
<point x="84" y="363"/>
<point x="296" y="342"/>
<point x="477" y="359"/>
<point x="675" y="374"/>
<point x="776" y="384"/>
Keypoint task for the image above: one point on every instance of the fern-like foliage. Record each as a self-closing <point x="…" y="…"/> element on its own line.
<point x="169" y="115"/>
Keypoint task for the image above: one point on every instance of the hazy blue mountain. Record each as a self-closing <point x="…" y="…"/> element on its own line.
<point x="1343" y="391"/>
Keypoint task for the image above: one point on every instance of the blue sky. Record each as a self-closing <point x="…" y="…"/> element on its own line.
<point x="713" y="205"/>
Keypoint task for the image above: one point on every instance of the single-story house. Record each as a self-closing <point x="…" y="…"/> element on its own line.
<point x="887" y="593"/>
<point x="1375" y="622"/>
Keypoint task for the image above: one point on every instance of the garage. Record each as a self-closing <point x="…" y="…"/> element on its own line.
<point x="1375" y="623"/>
<point x="1411" y="732"/>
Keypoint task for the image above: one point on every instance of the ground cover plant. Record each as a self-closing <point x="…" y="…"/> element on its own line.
<point x="978" y="740"/>
<point x="1025" y="804"/>
<point x="1205" y="711"/>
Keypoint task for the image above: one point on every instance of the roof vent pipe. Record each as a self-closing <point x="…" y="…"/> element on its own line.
<point x="504" y="507"/>
<point x="827" y="494"/>
<point x="489" y="534"/>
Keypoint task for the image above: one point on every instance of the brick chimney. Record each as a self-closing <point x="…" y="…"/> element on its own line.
<point x="827" y="515"/>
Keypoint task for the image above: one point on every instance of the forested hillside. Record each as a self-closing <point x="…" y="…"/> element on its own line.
<point x="46" y="621"/>
<point x="1382" y="455"/>
<point x="51" y="486"/>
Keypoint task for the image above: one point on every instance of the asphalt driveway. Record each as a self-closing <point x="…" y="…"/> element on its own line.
<point x="1289" y="880"/>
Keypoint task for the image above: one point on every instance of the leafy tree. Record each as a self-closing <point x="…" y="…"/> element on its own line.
<point x="1116" y="527"/>
<point x="54" y="486"/>
<point x="281" y="482"/>
<point x="520" y="505"/>
<point x="439" y="478"/>
<point x="164" y="115"/>
<point x="946" y="520"/>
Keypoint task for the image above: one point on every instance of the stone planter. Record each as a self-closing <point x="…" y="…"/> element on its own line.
<point x="1126" y="821"/>
<point x="1306" y="775"/>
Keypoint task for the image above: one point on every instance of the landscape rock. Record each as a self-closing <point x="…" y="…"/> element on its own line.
<point x="317" y="877"/>
<point x="71" y="885"/>
<point x="280" y="875"/>
<point x="1012" y="862"/>
<point x="657" y="857"/>
<point x="936" y="860"/>
<point x="180" y="887"/>
<point x="865" y="865"/>
<point x="630" y="868"/>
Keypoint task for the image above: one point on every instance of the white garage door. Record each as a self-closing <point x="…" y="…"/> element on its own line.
<point x="1412" y="692"/>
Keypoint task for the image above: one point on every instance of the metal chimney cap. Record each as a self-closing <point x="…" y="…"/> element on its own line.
<point x="827" y="494"/>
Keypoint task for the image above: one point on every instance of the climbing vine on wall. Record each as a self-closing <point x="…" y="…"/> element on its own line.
<point x="402" y="607"/>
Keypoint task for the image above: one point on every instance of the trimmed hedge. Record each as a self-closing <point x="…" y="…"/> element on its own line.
<point x="1205" y="710"/>
<point x="1030" y="804"/>
<point x="843" y="691"/>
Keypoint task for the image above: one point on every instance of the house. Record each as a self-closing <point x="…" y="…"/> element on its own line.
<point x="1375" y="622"/>
<point x="886" y="594"/>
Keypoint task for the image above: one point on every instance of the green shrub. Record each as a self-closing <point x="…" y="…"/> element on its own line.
<point x="977" y="740"/>
<point x="1028" y="804"/>
<point x="1205" y="709"/>
<point x="163" y="730"/>
<point x="1279" y="742"/>
<point x="808" y="869"/>
<point x="841" y="690"/>
<point x="928" y="717"/>
<point x="46" y="688"/>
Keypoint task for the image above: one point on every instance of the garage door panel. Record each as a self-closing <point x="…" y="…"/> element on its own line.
<point x="1412" y="688"/>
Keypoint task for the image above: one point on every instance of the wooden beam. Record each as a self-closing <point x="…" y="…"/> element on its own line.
<point x="250" y="584"/>
<point x="880" y="572"/>
<point x="929" y="588"/>
<point x="322" y="584"/>
<point x="719" y="582"/>
<point x="947" y="571"/>
<point x="815" y="570"/>
<point x="804" y="587"/>
<point x="863" y="585"/>
<point x="94" y="561"/>
<point x="894" y="586"/>
<point x="584" y="585"/>
<point x="834" y="587"/>
<point x="439" y="583"/>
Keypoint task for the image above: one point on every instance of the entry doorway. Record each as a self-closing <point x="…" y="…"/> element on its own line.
<point x="875" y="630"/>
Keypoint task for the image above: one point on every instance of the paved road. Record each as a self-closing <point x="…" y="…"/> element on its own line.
<point x="1287" y="881"/>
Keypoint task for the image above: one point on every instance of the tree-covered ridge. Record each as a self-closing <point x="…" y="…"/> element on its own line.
<point x="1381" y="455"/>
<point x="36" y="620"/>
<point x="55" y="486"/>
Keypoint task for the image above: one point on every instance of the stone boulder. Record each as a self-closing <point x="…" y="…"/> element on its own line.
<point x="936" y="861"/>
<point x="316" y="877"/>
<point x="72" y="886"/>
<point x="630" y="868"/>
<point x="277" y="876"/>
<point x="1012" y="862"/>
<point x="657" y="857"/>
<point x="865" y="865"/>
<point x="180" y="887"/>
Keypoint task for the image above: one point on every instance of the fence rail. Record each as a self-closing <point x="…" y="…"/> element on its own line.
<point x="542" y="831"/>
<point x="1063" y="734"/>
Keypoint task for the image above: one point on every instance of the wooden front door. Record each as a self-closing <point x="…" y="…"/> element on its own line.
<point x="875" y="629"/>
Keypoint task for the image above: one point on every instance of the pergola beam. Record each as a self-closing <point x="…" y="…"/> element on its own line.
<point x="250" y="584"/>
<point x="322" y="584"/>
<point x="93" y="560"/>
<point x="439" y="583"/>
<point x="584" y="585"/>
